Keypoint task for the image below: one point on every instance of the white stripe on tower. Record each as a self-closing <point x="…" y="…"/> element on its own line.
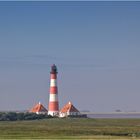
<point x="53" y="83"/>
<point x="53" y="97"/>
<point x="53" y="100"/>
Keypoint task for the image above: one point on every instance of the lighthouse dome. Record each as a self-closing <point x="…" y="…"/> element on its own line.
<point x="53" y="69"/>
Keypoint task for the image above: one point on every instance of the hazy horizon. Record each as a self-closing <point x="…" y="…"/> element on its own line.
<point x="95" y="46"/>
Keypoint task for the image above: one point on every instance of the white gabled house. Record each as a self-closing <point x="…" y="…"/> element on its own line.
<point x="69" y="110"/>
<point x="39" y="109"/>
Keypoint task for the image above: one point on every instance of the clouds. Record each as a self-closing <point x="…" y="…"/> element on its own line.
<point x="79" y="62"/>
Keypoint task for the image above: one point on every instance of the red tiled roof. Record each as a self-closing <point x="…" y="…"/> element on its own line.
<point x="68" y="108"/>
<point x="38" y="108"/>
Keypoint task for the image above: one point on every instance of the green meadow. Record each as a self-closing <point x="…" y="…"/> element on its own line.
<point x="71" y="128"/>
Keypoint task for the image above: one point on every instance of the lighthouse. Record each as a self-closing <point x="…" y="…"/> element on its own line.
<point x="53" y="97"/>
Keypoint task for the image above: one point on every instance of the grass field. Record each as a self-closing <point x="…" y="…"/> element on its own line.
<point x="71" y="128"/>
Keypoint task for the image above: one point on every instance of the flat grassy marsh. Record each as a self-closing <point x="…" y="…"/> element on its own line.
<point x="71" y="128"/>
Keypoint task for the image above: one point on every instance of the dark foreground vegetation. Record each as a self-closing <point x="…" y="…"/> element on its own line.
<point x="13" y="116"/>
<point x="71" y="128"/>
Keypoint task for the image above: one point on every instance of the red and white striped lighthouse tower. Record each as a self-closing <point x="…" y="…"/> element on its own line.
<point x="53" y="100"/>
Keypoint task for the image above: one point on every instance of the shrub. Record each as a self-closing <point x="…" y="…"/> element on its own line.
<point x="13" y="116"/>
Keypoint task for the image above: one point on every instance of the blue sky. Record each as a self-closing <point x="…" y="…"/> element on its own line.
<point x="95" y="45"/>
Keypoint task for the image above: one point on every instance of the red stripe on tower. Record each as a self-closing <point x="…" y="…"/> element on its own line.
<point x="53" y="100"/>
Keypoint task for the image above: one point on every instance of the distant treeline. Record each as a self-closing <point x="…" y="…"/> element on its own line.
<point x="13" y="116"/>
